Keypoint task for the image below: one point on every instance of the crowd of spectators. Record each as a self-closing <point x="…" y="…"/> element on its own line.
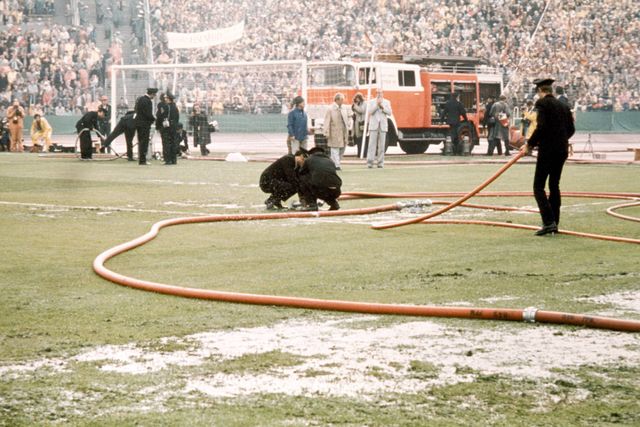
<point x="16" y="12"/>
<point x="236" y="90"/>
<point x="56" y="69"/>
<point x="590" y="46"/>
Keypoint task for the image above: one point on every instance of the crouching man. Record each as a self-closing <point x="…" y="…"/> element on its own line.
<point x="280" y="179"/>
<point x="319" y="180"/>
<point x="40" y="130"/>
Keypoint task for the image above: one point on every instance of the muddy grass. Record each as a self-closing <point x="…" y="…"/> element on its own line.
<point x="344" y="356"/>
<point x="77" y="350"/>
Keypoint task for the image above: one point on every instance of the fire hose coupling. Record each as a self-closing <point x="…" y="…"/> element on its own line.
<point x="414" y="205"/>
<point x="529" y="314"/>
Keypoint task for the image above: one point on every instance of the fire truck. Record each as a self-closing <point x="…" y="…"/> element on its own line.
<point x="417" y="87"/>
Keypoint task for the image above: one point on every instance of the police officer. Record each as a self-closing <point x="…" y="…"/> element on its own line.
<point x="319" y="180"/>
<point x="554" y="128"/>
<point x="451" y="112"/>
<point x="84" y="126"/>
<point x="126" y="125"/>
<point x="144" y="119"/>
<point x="167" y="117"/>
<point x="280" y="178"/>
<point x="104" y="125"/>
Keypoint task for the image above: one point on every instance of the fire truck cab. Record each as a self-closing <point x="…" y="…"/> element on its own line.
<point x="416" y="86"/>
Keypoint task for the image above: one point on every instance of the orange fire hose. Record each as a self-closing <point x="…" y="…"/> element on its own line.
<point x="457" y="202"/>
<point x="530" y="314"/>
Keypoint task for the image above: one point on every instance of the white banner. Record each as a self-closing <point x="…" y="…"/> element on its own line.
<point x="206" y="38"/>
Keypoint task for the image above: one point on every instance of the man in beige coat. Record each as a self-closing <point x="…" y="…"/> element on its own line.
<point x="336" y="129"/>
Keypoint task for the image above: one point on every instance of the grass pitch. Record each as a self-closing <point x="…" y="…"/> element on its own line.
<point x="57" y="215"/>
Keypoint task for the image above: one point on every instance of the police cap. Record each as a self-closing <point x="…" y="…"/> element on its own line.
<point x="543" y="82"/>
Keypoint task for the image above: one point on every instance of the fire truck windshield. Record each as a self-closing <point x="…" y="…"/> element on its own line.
<point x="340" y="75"/>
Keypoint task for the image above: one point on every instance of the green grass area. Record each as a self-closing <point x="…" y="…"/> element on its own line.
<point x="56" y="216"/>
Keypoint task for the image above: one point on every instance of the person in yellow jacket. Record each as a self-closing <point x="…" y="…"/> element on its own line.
<point x="40" y="130"/>
<point x="529" y="120"/>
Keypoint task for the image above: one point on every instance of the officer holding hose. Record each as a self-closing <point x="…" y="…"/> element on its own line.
<point x="84" y="126"/>
<point x="554" y="128"/>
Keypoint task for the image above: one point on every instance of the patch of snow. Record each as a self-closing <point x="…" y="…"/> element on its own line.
<point x="339" y="359"/>
<point x="493" y="300"/>
<point x="625" y="300"/>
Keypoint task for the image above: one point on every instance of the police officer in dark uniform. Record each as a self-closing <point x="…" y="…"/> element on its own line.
<point x="451" y="113"/>
<point x="319" y="180"/>
<point x="84" y="126"/>
<point x="104" y="125"/>
<point x="554" y="128"/>
<point x="144" y="119"/>
<point x="280" y="178"/>
<point x="167" y="117"/>
<point x="126" y="125"/>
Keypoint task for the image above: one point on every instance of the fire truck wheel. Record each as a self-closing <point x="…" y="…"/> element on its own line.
<point x="414" y="147"/>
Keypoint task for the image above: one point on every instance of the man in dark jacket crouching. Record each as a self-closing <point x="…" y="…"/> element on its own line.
<point x="319" y="180"/>
<point x="280" y="179"/>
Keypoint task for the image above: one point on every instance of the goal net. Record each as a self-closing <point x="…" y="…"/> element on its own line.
<point x="243" y="97"/>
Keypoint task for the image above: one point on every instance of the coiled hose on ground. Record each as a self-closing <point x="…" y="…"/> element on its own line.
<point x="528" y="314"/>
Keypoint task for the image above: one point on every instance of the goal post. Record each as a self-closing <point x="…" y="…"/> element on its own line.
<point x="244" y="97"/>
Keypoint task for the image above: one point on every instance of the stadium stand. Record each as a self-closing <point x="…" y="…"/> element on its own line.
<point x="590" y="46"/>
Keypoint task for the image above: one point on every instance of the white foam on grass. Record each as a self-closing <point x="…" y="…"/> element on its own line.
<point x="338" y="358"/>
<point x="235" y="157"/>
<point x="626" y="300"/>
<point x="46" y="207"/>
<point x="203" y="205"/>
<point x="493" y="300"/>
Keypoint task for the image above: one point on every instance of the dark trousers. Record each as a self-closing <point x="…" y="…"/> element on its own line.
<point x="86" y="146"/>
<point x="493" y="144"/>
<point x="311" y="192"/>
<point x="143" y="143"/>
<point x="128" y="135"/>
<point x="455" y="140"/>
<point x="169" y="149"/>
<point x="279" y="189"/>
<point x="548" y="167"/>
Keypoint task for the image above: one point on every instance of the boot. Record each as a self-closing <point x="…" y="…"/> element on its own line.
<point x="273" y="204"/>
<point x="333" y="205"/>
<point x="35" y="148"/>
<point x="547" y="229"/>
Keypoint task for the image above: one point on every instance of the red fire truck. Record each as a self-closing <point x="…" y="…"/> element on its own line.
<point x="416" y="86"/>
